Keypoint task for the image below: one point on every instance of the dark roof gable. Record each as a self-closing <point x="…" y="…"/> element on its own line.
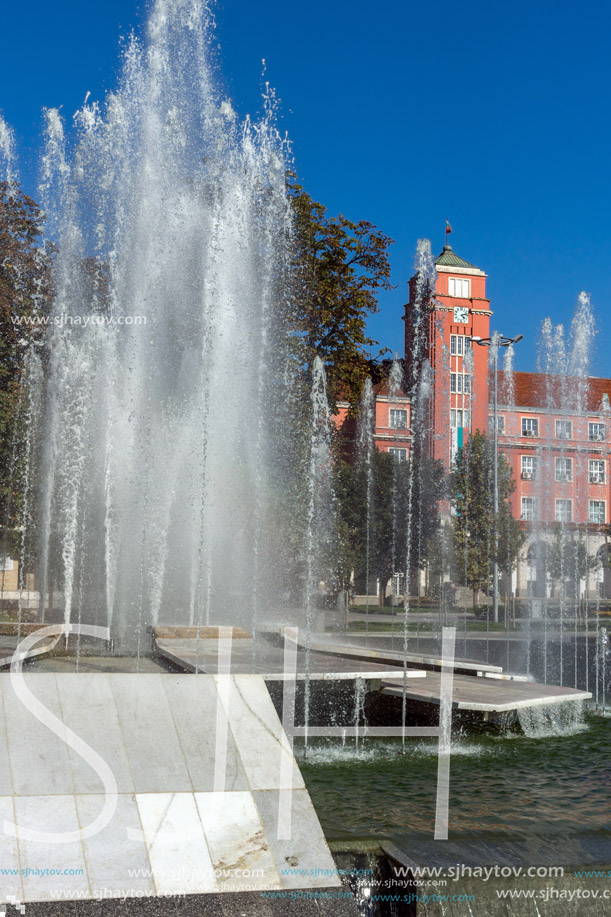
<point x="448" y="259"/>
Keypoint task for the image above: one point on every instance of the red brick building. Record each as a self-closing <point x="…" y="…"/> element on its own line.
<point x="459" y="390"/>
<point x="392" y="421"/>
<point x="555" y="430"/>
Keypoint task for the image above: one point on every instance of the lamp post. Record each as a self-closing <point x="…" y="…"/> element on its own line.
<point x="497" y="340"/>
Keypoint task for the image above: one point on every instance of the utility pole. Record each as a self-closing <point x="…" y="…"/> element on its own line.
<point x="497" y="340"/>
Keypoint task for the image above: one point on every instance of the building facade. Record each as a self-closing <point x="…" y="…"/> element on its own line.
<point x="555" y="430"/>
<point x="392" y="421"/>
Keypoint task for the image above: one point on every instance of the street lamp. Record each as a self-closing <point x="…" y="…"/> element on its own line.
<point x="497" y="340"/>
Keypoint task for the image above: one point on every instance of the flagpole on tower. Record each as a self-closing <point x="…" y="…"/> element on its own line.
<point x="448" y="231"/>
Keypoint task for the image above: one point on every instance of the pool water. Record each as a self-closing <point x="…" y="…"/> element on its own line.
<point x="512" y="798"/>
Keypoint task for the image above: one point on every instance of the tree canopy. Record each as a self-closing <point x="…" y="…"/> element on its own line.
<point x="472" y="493"/>
<point x="24" y="293"/>
<point x="403" y="518"/>
<point x="339" y="267"/>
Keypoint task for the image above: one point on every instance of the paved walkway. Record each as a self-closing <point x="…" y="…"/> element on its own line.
<point x="487" y="695"/>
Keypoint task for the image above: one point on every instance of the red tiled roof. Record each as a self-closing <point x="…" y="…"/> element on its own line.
<point x="540" y="390"/>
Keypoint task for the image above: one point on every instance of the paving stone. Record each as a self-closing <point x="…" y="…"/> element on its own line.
<point x="135" y="729"/>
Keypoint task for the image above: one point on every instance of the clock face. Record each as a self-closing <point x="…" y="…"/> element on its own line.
<point x="461" y="315"/>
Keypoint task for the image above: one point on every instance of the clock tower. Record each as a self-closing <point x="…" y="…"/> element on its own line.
<point x="457" y="310"/>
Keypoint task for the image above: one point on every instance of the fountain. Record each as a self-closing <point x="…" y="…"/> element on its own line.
<point x="557" y="645"/>
<point x="162" y="462"/>
<point x="166" y="483"/>
<point x="152" y="461"/>
<point x="366" y="447"/>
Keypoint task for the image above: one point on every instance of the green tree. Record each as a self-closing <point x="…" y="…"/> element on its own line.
<point x="24" y="295"/>
<point x="472" y="494"/>
<point x="339" y="267"/>
<point x="404" y="515"/>
<point x="568" y="560"/>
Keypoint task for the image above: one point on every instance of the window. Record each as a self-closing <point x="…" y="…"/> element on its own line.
<point x="500" y="424"/>
<point x="459" y="345"/>
<point x="597" y="471"/>
<point x="596" y="432"/>
<point x="530" y="467"/>
<point x="459" y="287"/>
<point x="399" y="454"/>
<point x="564" y="469"/>
<point x="564" y="510"/>
<point x="460" y="383"/>
<point x="459" y="418"/>
<point x="529" y="509"/>
<point x="597" y="512"/>
<point x="563" y="429"/>
<point x="530" y="426"/>
<point x="398" y="418"/>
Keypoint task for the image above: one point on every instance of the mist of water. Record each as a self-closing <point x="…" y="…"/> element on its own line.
<point x="366" y="450"/>
<point x="7" y="152"/>
<point x="172" y="229"/>
<point x="552" y="720"/>
<point x="320" y="503"/>
<point x="559" y="550"/>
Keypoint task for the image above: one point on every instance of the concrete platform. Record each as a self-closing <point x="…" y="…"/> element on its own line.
<point x="382" y="656"/>
<point x="120" y="777"/>
<point x="268" y="661"/>
<point x="69" y="664"/>
<point x="198" y="648"/>
<point x="477" y="687"/>
<point x="486" y="695"/>
<point x="10" y="641"/>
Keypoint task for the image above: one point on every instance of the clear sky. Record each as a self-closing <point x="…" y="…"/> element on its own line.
<point x="493" y="115"/>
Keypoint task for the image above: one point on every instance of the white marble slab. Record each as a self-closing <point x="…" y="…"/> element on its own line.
<point x="9" y="856"/>
<point x="88" y="708"/>
<point x="62" y="865"/>
<point x="176" y="845"/>
<point x="38" y="757"/>
<point x="306" y="849"/>
<point x="153" y="750"/>
<point x="194" y="711"/>
<point x="6" y="781"/>
<point x="156" y="733"/>
<point x="237" y="841"/>
<point x="258" y="733"/>
<point x="112" y="856"/>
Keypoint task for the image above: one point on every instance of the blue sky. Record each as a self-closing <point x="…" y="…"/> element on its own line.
<point x="495" y="116"/>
